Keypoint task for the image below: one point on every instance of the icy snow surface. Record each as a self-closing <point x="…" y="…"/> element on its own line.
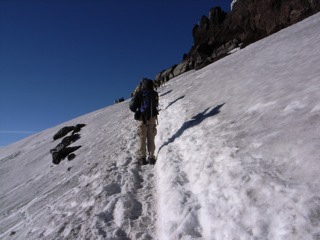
<point x="238" y="158"/>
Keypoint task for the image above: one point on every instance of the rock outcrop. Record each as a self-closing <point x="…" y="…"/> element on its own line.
<point x="62" y="150"/>
<point x="250" y="20"/>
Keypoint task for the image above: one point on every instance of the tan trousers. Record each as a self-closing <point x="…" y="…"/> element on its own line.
<point x="146" y="133"/>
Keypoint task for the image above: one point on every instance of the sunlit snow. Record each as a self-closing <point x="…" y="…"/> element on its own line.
<point x="232" y="3"/>
<point x="238" y="149"/>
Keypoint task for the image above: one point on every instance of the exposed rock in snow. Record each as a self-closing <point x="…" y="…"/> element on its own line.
<point x="238" y="158"/>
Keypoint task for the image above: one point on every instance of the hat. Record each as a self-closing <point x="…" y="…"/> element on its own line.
<point x="146" y="83"/>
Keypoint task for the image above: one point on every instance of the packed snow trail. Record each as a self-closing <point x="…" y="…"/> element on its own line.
<point x="102" y="194"/>
<point x="239" y="144"/>
<point x="127" y="200"/>
<point x="238" y="158"/>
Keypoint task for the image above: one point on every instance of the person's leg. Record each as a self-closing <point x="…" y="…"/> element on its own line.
<point x="141" y="138"/>
<point x="152" y="132"/>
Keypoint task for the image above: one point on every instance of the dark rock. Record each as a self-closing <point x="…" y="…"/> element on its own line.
<point x="208" y="28"/>
<point x="201" y="56"/>
<point x="166" y="74"/>
<point x="181" y="68"/>
<point x="65" y="130"/>
<point x="62" y="132"/>
<point x="70" y="139"/>
<point x="249" y="21"/>
<point x="225" y="49"/>
<point x="57" y="157"/>
<point x="59" y="147"/>
<point x="119" y="100"/>
<point x="252" y="20"/>
<point x="78" y="127"/>
<point x="61" y="151"/>
<point x="71" y="156"/>
<point x="65" y="142"/>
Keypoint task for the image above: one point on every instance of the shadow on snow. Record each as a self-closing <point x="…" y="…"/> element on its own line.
<point x="175" y="101"/>
<point x="166" y="93"/>
<point x="195" y="120"/>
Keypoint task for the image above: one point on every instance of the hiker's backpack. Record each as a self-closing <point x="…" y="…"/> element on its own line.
<point x="144" y="102"/>
<point x="149" y="104"/>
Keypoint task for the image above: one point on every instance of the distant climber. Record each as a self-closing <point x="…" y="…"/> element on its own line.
<point x="119" y="100"/>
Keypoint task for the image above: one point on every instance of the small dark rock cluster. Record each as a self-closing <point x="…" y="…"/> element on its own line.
<point x="119" y="100"/>
<point x="249" y="21"/>
<point x="62" y="150"/>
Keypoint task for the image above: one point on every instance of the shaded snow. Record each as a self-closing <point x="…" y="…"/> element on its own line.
<point x="238" y="158"/>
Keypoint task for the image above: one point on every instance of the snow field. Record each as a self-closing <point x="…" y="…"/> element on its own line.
<point x="238" y="158"/>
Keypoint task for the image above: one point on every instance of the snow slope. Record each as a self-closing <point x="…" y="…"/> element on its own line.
<point x="238" y="158"/>
<point x="232" y="3"/>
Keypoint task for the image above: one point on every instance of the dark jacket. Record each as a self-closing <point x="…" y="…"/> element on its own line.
<point x="137" y="100"/>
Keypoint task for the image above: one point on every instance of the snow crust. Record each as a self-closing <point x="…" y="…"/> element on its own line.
<point x="238" y="158"/>
<point x="232" y="3"/>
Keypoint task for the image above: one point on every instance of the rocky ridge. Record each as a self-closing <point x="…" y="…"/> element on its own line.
<point x="249" y="21"/>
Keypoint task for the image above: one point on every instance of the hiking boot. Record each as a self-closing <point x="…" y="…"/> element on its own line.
<point x="152" y="160"/>
<point x="142" y="161"/>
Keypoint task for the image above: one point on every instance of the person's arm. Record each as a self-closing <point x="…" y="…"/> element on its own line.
<point x="134" y="103"/>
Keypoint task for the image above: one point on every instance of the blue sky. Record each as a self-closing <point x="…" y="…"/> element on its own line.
<point x="62" y="59"/>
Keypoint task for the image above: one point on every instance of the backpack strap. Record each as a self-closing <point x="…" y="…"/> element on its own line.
<point x="143" y="115"/>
